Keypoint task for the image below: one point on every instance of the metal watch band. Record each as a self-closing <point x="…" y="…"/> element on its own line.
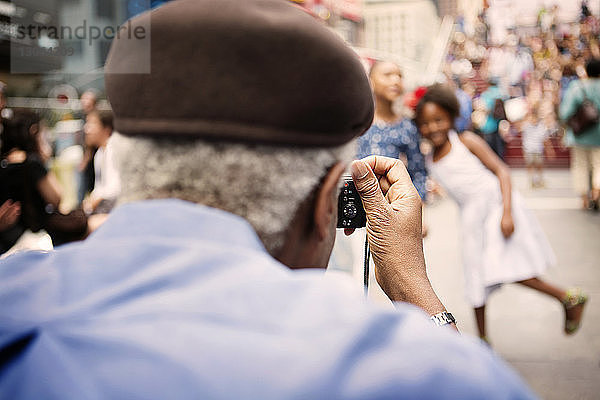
<point x="443" y="318"/>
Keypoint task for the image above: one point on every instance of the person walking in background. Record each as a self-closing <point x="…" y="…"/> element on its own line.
<point x="89" y="102"/>
<point x="585" y="148"/>
<point x="98" y="130"/>
<point x="535" y="139"/>
<point x="391" y="135"/>
<point x="502" y="241"/>
<point x="478" y="76"/>
<point x="463" y="121"/>
<point x="493" y="100"/>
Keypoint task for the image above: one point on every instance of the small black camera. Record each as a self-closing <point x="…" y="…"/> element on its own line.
<point x="351" y="213"/>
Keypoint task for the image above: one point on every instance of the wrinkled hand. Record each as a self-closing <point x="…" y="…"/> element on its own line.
<point x="393" y="209"/>
<point x="9" y="214"/>
<point x="507" y="225"/>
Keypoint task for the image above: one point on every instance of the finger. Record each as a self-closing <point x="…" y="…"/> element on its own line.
<point x="399" y="184"/>
<point x="390" y="168"/>
<point x="368" y="188"/>
<point x="384" y="184"/>
<point x="15" y="211"/>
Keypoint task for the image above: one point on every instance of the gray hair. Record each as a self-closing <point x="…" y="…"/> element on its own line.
<point x="263" y="184"/>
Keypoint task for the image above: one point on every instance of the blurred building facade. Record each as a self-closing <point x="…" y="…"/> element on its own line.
<point x="406" y="28"/>
<point x="345" y="17"/>
<point x="469" y="11"/>
<point x="447" y="7"/>
<point x="44" y="44"/>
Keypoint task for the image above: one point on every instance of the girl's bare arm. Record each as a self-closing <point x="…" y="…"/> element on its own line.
<point x="481" y="150"/>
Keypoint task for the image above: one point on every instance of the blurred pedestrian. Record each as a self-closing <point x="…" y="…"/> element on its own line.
<point x="502" y="241"/>
<point x="391" y="135"/>
<point x="478" y="76"/>
<point x="568" y="75"/>
<point x="98" y="130"/>
<point x="585" y="148"/>
<point x="463" y="121"/>
<point x="493" y="99"/>
<point x="536" y="142"/>
<point x="89" y="103"/>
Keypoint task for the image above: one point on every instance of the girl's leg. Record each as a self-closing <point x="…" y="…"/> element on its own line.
<point x="540" y="171"/>
<point x="480" y="317"/>
<point x="572" y="301"/>
<point x="531" y="173"/>
<point x="545" y="287"/>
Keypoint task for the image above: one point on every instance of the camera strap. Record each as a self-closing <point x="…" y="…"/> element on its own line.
<point x="366" y="269"/>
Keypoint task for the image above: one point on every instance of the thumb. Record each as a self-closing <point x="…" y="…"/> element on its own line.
<point x="368" y="188"/>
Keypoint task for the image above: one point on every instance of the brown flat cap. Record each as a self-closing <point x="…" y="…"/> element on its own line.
<point x="244" y="70"/>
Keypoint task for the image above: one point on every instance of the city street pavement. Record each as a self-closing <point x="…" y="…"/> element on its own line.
<point x="524" y="326"/>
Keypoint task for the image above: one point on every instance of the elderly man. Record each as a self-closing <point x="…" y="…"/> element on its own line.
<point x="207" y="281"/>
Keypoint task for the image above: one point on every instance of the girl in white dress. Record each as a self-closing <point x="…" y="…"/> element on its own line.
<point x="502" y="241"/>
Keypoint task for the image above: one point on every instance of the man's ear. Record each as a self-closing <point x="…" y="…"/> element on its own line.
<point x="34" y="129"/>
<point x="326" y="201"/>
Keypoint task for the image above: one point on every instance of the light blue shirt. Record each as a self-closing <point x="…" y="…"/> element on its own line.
<point x="489" y="98"/>
<point x="173" y="300"/>
<point x="573" y="98"/>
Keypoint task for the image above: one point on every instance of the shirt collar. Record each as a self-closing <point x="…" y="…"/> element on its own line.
<point x="179" y="220"/>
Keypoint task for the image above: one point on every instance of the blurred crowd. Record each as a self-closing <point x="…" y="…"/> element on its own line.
<point x="535" y="62"/>
<point x="511" y="91"/>
<point x="63" y="183"/>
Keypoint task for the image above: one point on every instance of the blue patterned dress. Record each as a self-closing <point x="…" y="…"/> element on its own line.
<point x="398" y="140"/>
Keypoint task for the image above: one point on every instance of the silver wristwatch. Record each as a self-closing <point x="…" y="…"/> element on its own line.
<point x="443" y="318"/>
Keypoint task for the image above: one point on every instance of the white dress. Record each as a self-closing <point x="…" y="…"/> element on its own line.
<point x="489" y="259"/>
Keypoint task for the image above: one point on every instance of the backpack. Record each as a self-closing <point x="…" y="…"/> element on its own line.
<point x="498" y="111"/>
<point x="585" y="117"/>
